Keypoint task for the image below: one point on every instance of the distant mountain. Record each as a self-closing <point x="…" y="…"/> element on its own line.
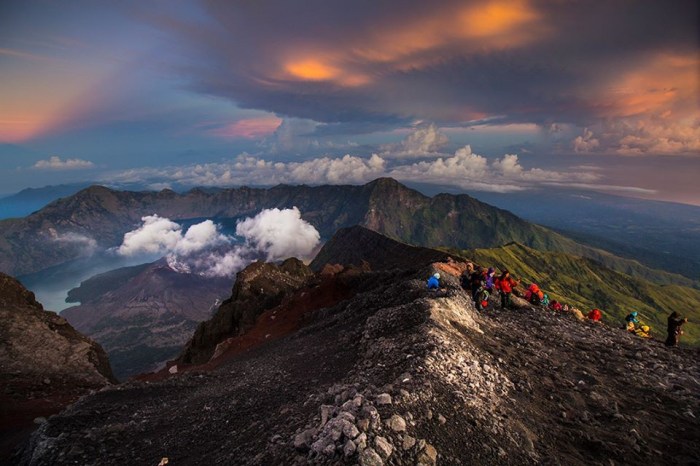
<point x="143" y="315"/>
<point x="663" y="235"/>
<point x="45" y="364"/>
<point x="59" y="232"/>
<point x="32" y="199"/>
<point x="588" y="284"/>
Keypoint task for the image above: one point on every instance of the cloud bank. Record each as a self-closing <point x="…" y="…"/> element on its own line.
<point x="271" y="235"/>
<point x="56" y="163"/>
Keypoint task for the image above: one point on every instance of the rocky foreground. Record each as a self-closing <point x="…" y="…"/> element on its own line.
<point x="395" y="374"/>
<point x="45" y="364"/>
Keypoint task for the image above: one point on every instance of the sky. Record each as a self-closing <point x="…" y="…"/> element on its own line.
<point x="485" y="95"/>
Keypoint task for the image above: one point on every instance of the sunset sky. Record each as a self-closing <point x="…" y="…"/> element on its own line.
<point x="488" y="95"/>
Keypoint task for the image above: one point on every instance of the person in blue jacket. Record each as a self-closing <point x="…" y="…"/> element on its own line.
<point x="434" y="282"/>
<point x="632" y="317"/>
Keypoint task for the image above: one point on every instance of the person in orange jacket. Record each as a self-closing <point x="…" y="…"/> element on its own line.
<point x="505" y="285"/>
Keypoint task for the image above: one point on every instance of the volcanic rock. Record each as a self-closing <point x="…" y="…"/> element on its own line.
<point x="503" y="379"/>
<point x="258" y="287"/>
<point x="44" y="363"/>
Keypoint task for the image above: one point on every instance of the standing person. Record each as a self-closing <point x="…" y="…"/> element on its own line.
<point x="489" y="281"/>
<point x="506" y="283"/>
<point x="675" y="322"/>
<point x="465" y="279"/>
<point x="477" y="279"/>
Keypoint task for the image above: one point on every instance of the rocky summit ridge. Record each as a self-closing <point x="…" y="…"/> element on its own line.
<point x="396" y="374"/>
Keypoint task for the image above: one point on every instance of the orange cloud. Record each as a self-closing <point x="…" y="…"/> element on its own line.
<point x="666" y="86"/>
<point x="311" y="70"/>
<point x="36" y="100"/>
<point x="407" y="45"/>
<point x="314" y="69"/>
<point x="497" y="19"/>
<point x="248" y="128"/>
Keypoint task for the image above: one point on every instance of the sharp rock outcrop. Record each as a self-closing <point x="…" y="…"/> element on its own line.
<point x="44" y="362"/>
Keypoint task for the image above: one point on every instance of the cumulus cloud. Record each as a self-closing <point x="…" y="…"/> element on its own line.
<point x="56" y="163"/>
<point x="424" y="141"/>
<point x="468" y="170"/>
<point x="279" y="233"/>
<point x="273" y="235"/>
<point x="632" y="137"/>
<point x="585" y="142"/>
<point x="651" y="138"/>
<point x="250" y="170"/>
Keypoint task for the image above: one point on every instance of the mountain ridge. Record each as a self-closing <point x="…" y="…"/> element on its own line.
<point x="99" y="217"/>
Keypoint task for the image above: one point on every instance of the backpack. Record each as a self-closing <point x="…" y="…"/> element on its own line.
<point x="482" y="298"/>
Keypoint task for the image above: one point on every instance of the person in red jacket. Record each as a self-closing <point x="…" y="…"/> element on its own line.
<point x="595" y="315"/>
<point x="505" y="285"/>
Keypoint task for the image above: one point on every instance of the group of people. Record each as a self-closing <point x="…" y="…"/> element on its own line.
<point x="482" y="283"/>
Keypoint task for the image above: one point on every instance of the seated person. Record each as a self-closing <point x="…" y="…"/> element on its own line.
<point x="434" y="282"/>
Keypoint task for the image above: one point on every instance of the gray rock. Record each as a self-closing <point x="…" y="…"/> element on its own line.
<point x="349" y="430"/>
<point x="304" y="440"/>
<point x="384" y="399"/>
<point x="349" y="448"/>
<point x="427" y="456"/>
<point x="383" y="447"/>
<point x="441" y="419"/>
<point x="396" y="423"/>
<point x="408" y="442"/>
<point x="363" y="425"/>
<point x="361" y="441"/>
<point x="369" y="457"/>
<point x="323" y="445"/>
<point x="326" y="413"/>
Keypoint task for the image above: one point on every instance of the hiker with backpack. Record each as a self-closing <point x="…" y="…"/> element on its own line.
<point x="476" y="281"/>
<point x="555" y="306"/>
<point x="481" y="298"/>
<point x="595" y="315"/>
<point x="534" y="295"/>
<point x="505" y="285"/>
<point x="675" y="322"/>
<point x="631" y="321"/>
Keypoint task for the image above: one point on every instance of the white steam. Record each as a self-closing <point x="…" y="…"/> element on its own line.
<point x="273" y="234"/>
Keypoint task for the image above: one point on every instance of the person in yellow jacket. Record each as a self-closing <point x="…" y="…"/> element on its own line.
<point x="643" y="331"/>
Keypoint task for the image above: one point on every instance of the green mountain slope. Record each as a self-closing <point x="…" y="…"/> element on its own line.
<point x="586" y="283"/>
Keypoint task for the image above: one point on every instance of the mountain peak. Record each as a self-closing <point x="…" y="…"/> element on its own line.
<point x="355" y="245"/>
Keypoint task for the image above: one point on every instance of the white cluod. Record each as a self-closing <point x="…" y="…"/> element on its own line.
<point x="273" y="234"/>
<point x="279" y="234"/>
